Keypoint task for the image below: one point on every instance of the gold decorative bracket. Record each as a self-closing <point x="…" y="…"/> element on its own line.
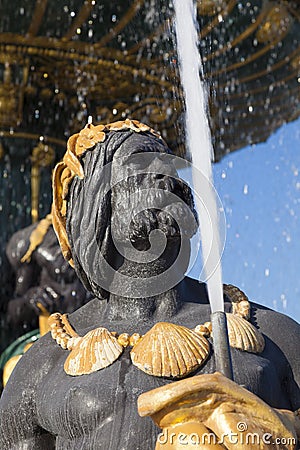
<point x="42" y="156"/>
<point x="12" y="84"/>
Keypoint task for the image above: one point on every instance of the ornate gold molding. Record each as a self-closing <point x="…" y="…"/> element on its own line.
<point x="33" y="137"/>
<point x="42" y="156"/>
<point x="81" y="74"/>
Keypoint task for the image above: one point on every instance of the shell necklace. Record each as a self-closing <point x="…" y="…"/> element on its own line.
<point x="166" y="350"/>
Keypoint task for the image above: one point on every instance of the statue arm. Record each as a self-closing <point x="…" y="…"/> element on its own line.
<point x="290" y="348"/>
<point x="18" y="425"/>
<point x="18" y="245"/>
<point x="40" y="442"/>
<point x="211" y="409"/>
<point x="26" y="273"/>
<point x="19" y="419"/>
<point x="285" y="333"/>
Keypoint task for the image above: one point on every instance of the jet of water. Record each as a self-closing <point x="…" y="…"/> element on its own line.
<point x="200" y="147"/>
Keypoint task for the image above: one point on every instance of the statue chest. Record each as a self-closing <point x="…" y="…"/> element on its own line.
<point x="100" y="407"/>
<point x="103" y="405"/>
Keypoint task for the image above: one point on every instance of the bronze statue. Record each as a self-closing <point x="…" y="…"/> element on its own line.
<point x="42" y="277"/>
<point x="78" y="387"/>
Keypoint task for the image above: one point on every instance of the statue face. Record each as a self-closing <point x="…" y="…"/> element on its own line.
<point x="147" y="195"/>
<point x="131" y="208"/>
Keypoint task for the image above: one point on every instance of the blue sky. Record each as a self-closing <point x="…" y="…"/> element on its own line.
<point x="259" y="187"/>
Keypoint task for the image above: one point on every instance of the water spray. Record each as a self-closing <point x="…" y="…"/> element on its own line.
<point x="201" y="151"/>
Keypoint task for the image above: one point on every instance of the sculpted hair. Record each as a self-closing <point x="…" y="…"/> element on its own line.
<point x="92" y="208"/>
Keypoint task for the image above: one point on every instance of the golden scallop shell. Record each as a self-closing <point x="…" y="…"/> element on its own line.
<point x="169" y="350"/>
<point x="96" y="350"/>
<point x="243" y="335"/>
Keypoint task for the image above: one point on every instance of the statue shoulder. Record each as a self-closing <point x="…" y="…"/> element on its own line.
<point x="274" y="323"/>
<point x="19" y="422"/>
<point x="18" y="245"/>
<point x="283" y="331"/>
<point x="89" y="315"/>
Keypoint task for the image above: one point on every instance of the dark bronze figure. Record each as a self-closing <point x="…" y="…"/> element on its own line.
<point x="42" y="277"/>
<point x="43" y="406"/>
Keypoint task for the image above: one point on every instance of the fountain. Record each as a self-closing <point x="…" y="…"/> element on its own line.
<point x="201" y="151"/>
<point x="128" y="354"/>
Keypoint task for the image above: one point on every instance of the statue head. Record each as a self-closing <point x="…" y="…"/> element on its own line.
<point x="118" y="197"/>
